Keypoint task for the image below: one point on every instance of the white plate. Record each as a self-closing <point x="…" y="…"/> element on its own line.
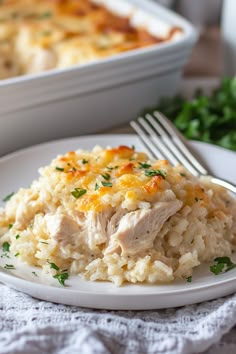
<point x="20" y="168"/>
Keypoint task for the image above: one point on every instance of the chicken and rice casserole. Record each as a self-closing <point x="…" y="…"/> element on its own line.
<point x="114" y="215"/>
<point x="40" y="35"/>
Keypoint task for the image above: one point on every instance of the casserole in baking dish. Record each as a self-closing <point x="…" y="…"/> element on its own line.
<point x="39" y="35"/>
<point x="100" y="94"/>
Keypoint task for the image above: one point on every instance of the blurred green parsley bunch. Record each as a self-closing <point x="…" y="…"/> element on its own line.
<point x="211" y="119"/>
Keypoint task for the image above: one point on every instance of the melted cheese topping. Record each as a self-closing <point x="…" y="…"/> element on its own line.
<point x="101" y="174"/>
<point x="105" y="178"/>
<point x="41" y="35"/>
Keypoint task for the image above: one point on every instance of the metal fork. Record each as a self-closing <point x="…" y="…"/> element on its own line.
<point x="164" y="141"/>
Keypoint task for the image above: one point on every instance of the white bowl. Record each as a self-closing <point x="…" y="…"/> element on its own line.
<point x="96" y="96"/>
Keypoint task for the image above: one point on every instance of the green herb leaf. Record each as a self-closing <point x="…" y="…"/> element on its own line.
<point x="53" y="266"/>
<point x="17" y="236"/>
<point x="72" y="169"/>
<point x="10" y="226"/>
<point x="96" y="187"/>
<point x="84" y="161"/>
<point x="226" y="260"/>
<point x="60" y="169"/>
<point x="61" y="277"/>
<point x="112" y="168"/>
<point x="6" y="247"/>
<point x="232" y="266"/>
<point x="223" y="265"/>
<point x="78" y="192"/>
<point x="9" y="266"/>
<point x="106" y="176"/>
<point x="107" y="184"/>
<point x="144" y="165"/>
<point x="17" y="254"/>
<point x="209" y="118"/>
<point x="217" y="268"/>
<point x="189" y="279"/>
<point x="45" y="243"/>
<point x="152" y="172"/>
<point x="8" y="197"/>
<point x="35" y="274"/>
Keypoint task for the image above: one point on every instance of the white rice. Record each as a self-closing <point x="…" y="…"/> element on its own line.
<point x="203" y="228"/>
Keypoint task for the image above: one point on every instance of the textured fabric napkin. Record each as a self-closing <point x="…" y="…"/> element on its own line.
<point x="31" y="326"/>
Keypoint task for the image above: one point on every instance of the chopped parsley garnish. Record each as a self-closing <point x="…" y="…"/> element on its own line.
<point x="197" y="199"/>
<point x="53" y="266"/>
<point x="60" y="169"/>
<point x="106" y="176"/>
<point x="17" y="236"/>
<point x="9" y="266"/>
<point x="222" y="265"/>
<point x="209" y="118"/>
<point x="45" y="243"/>
<point x="17" y="254"/>
<point x="217" y="268"/>
<point x="72" y="169"/>
<point x="107" y="184"/>
<point x="8" y="197"/>
<point x="84" y="161"/>
<point x="189" y="279"/>
<point x="112" y="168"/>
<point x="132" y="147"/>
<point x="96" y="187"/>
<point x="144" y="165"/>
<point x="6" y="250"/>
<point x="10" y="226"/>
<point x="61" y="277"/>
<point x="6" y="247"/>
<point x="35" y="274"/>
<point x="78" y="192"/>
<point x="182" y="174"/>
<point x="152" y="172"/>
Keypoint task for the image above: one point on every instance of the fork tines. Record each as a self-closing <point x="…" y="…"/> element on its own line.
<point x="164" y="141"/>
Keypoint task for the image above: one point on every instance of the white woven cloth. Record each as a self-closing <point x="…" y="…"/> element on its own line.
<point x="31" y="326"/>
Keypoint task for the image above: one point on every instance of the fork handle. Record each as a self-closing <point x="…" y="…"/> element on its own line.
<point x="222" y="182"/>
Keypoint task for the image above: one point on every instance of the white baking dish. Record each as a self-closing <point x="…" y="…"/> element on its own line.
<point x="96" y="96"/>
